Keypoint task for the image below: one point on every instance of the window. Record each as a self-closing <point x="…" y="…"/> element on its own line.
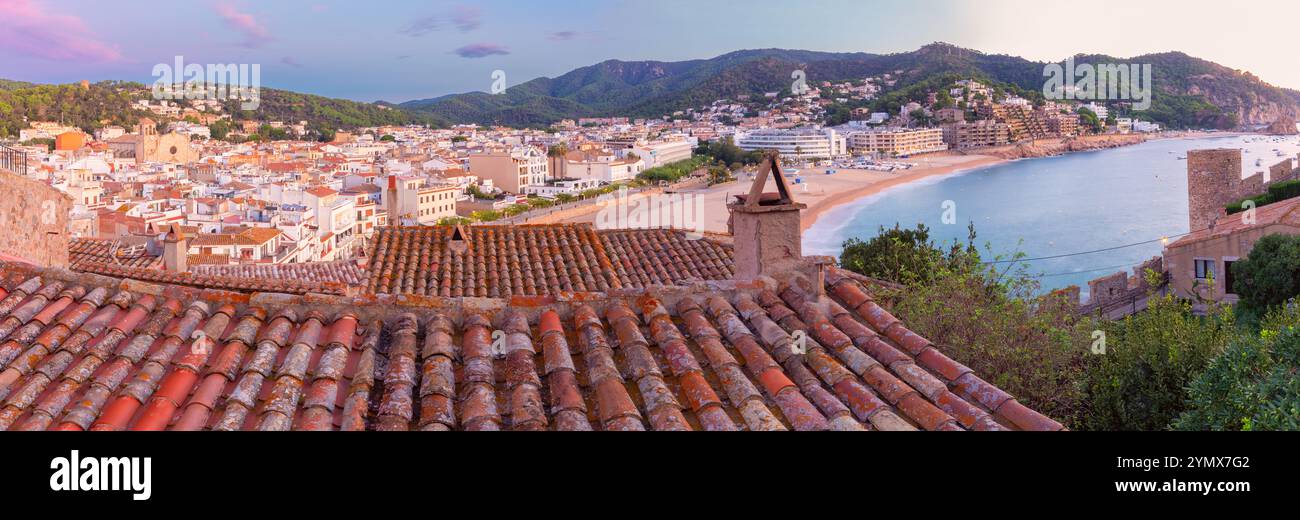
<point x="1204" y="268"/>
<point x="1227" y="276"/>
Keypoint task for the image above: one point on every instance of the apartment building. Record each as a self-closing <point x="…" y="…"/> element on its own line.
<point x="898" y="142"/>
<point x="511" y="170"/>
<point x="976" y="134"/>
<point x="795" y="143"/>
<point x="336" y="216"/>
<point x="422" y="202"/>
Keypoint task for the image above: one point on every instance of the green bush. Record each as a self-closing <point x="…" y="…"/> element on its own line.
<point x="989" y="320"/>
<point x="1253" y="385"/>
<point x="1284" y="190"/>
<point x="1260" y="200"/>
<point x="906" y="256"/>
<point x="673" y="171"/>
<point x="1138" y="382"/>
<point x="1270" y="274"/>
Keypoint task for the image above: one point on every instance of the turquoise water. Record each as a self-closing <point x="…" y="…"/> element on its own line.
<point x="1052" y="206"/>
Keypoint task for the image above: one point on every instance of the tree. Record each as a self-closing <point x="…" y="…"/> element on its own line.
<point x="1253" y="384"/>
<point x="1270" y="274"/>
<point x="1138" y="381"/>
<point x="1088" y="118"/>
<point x="219" y="129"/>
<point x="387" y="138"/>
<point x="905" y="256"/>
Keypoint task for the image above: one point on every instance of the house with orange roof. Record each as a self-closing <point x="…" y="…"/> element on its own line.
<point x="1207" y="255"/>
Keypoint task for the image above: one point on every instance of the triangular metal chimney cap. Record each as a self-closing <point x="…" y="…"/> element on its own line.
<point x="771" y="166"/>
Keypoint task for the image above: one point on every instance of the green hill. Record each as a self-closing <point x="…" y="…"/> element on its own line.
<point x="1188" y="91"/>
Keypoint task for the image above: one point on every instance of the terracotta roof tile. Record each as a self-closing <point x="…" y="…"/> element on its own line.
<point x="505" y="261"/>
<point x="78" y="356"/>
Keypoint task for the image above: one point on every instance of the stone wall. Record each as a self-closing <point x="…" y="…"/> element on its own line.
<point x="1107" y="288"/>
<point x="1139" y="279"/>
<point x="1281" y="171"/>
<point x="33" y="221"/>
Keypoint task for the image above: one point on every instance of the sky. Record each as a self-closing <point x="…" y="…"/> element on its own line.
<point x="401" y="50"/>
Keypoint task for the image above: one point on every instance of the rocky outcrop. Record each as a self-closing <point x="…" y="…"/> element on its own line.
<point x="1284" y="125"/>
<point x="1048" y="147"/>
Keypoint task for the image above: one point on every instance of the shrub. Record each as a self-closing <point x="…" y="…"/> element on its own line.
<point x="906" y="256"/>
<point x="1253" y="384"/>
<point x="1270" y="274"/>
<point x="1284" y="190"/>
<point x="673" y="171"/>
<point x="990" y="321"/>
<point x="1260" y="200"/>
<point x="1138" y="382"/>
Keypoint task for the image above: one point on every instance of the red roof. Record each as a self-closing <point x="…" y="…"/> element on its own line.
<point x="82" y="356"/>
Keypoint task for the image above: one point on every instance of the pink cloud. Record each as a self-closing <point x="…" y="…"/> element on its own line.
<point x="255" y="34"/>
<point x="481" y="50"/>
<point x="26" y="28"/>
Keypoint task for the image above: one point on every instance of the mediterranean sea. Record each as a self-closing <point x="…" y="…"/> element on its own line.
<point x="1124" y="198"/>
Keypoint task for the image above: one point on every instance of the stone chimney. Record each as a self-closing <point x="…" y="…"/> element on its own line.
<point x="391" y="198"/>
<point x="176" y="250"/>
<point x="766" y="226"/>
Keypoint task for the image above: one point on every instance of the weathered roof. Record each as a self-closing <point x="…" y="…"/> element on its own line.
<point x="112" y="252"/>
<point x="1282" y="212"/>
<point x="343" y="272"/>
<point x="504" y="261"/>
<point x="83" y="352"/>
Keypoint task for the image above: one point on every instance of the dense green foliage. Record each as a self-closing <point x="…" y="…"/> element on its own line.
<point x="671" y="172"/>
<point x="987" y="319"/>
<point x="725" y="151"/>
<point x="110" y="103"/>
<point x="325" y="114"/>
<point x="1254" y="384"/>
<point x="104" y="103"/>
<point x="1269" y="275"/>
<point x="906" y="256"/>
<point x="1277" y="192"/>
<point x="1138" y="382"/>
<point x="1183" y="86"/>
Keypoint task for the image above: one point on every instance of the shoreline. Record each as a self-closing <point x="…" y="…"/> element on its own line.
<point x="987" y="157"/>
<point x="821" y="207"/>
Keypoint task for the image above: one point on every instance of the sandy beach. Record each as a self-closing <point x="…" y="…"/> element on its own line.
<point x="820" y="191"/>
<point x="823" y="192"/>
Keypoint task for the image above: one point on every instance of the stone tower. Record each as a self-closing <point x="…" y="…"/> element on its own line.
<point x="1214" y="181"/>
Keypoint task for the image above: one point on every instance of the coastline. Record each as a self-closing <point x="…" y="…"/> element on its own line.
<point x="821" y="207"/>
<point x="986" y="157"/>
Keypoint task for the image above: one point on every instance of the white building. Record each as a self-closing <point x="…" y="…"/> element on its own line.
<point x="1100" y="110"/>
<point x="569" y="186"/>
<point x="796" y="143"/>
<point x="659" y="153"/>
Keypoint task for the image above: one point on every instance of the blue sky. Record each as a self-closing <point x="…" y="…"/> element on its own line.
<point x="402" y="50"/>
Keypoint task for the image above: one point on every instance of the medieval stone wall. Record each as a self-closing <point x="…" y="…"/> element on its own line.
<point x="33" y="221"/>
